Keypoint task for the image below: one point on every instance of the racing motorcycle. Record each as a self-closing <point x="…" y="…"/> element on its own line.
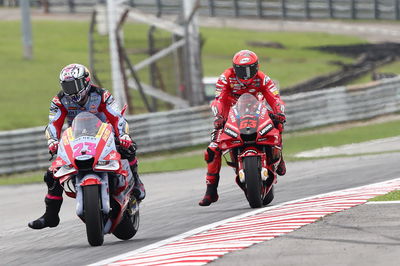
<point x="91" y="170"/>
<point x="252" y="140"/>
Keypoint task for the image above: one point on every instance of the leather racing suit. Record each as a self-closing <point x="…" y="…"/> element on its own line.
<point x="100" y="103"/>
<point x="228" y="90"/>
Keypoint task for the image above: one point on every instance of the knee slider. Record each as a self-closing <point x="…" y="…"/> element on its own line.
<point x="48" y="178"/>
<point x="209" y="154"/>
<point x="53" y="185"/>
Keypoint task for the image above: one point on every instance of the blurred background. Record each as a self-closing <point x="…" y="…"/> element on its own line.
<point x="335" y="61"/>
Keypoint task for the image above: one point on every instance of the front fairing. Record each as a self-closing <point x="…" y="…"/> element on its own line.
<point x="88" y="143"/>
<point x="242" y="122"/>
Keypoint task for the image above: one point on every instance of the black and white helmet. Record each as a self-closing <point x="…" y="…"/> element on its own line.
<point x="75" y="81"/>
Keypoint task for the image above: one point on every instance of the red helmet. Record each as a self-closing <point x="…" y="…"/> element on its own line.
<point x="245" y="64"/>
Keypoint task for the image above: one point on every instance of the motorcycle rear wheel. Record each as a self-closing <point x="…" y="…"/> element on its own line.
<point x="251" y="167"/>
<point x="93" y="216"/>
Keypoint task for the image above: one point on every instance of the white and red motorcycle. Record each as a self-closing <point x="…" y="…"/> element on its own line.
<point x="91" y="170"/>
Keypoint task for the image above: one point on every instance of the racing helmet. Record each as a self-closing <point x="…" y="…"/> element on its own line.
<point x="245" y="65"/>
<point x="75" y="81"/>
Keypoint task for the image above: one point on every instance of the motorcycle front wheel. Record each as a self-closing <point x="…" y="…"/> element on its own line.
<point x="93" y="215"/>
<point x="251" y="167"/>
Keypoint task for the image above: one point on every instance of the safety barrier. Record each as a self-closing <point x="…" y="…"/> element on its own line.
<point x="270" y="9"/>
<point x="26" y="149"/>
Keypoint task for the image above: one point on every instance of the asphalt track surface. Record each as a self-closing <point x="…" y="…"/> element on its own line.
<point x="170" y="209"/>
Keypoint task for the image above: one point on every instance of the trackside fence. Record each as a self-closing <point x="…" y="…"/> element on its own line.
<point x="269" y="9"/>
<point x="26" y="149"/>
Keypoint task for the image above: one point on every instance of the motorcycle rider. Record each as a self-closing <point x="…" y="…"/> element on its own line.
<point x="243" y="77"/>
<point x="80" y="94"/>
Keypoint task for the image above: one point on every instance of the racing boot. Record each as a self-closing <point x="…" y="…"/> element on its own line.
<point x="281" y="170"/>
<point x="138" y="188"/>
<point x="50" y="217"/>
<point x="211" y="193"/>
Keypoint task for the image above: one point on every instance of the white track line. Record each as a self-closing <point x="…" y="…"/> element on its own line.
<point x="209" y="242"/>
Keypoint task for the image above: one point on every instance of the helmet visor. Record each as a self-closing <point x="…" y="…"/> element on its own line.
<point x="246" y="72"/>
<point x="72" y="87"/>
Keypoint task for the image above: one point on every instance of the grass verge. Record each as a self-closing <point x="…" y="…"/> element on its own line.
<point x="391" y="196"/>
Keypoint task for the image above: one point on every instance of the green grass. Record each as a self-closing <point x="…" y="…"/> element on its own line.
<point x="296" y="143"/>
<point x="192" y="157"/>
<point x="29" y="85"/>
<point x="394" y="195"/>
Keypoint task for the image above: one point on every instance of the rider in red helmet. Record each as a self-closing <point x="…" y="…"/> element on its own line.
<point x="243" y="77"/>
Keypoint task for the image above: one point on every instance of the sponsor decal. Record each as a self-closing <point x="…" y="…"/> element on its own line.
<point x="266" y="79"/>
<point x="214" y="109"/>
<point x="266" y="129"/>
<point x="65" y="140"/>
<point x="56" y="101"/>
<point x="274" y="91"/>
<point x="232" y="117"/>
<point x="230" y="132"/>
<point x="107" y="133"/>
<point x="263" y="112"/>
<point x="213" y="145"/>
<point x="249" y="151"/>
<point x="236" y="141"/>
<point x="244" y="60"/>
<point x="72" y="108"/>
<point x="262" y="139"/>
<point x="222" y="78"/>
<point x="106" y="94"/>
<point x="252" y="90"/>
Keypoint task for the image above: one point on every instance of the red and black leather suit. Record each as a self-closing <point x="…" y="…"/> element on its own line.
<point x="228" y="90"/>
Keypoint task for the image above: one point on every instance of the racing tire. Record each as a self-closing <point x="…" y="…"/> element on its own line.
<point x="269" y="197"/>
<point x="93" y="215"/>
<point x="128" y="226"/>
<point x="251" y="167"/>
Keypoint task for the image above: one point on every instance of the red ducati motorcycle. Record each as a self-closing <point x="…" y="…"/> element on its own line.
<point x="91" y="170"/>
<point x="252" y="140"/>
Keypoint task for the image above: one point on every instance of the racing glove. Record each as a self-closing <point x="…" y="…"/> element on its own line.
<point x="125" y="141"/>
<point x="53" y="146"/>
<point x="219" y="122"/>
<point x="278" y="118"/>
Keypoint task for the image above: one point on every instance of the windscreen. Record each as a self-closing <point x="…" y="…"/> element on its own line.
<point x="85" y="124"/>
<point x="247" y="105"/>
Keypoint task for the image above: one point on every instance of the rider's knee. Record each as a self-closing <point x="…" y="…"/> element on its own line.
<point x="211" y="153"/>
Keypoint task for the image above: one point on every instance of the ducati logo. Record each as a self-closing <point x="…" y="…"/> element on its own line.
<point x="244" y="60"/>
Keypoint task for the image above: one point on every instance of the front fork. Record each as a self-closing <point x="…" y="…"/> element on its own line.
<point x="92" y="179"/>
<point x="264" y="173"/>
